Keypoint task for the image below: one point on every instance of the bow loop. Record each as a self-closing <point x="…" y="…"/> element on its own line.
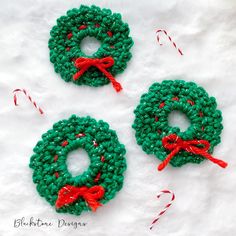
<point x="96" y="191"/>
<point x="83" y="64"/>
<point x="80" y="62"/>
<point x="69" y="194"/>
<point x="204" y="145"/>
<point x="107" y="62"/>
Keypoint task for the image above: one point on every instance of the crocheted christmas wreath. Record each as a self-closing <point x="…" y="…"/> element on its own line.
<point x="110" y="59"/>
<point x="168" y="143"/>
<point x="98" y="184"/>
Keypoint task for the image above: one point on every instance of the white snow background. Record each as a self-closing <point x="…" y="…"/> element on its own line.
<point x="205" y="194"/>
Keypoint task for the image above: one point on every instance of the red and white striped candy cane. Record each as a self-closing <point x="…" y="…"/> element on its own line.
<point x="174" y="44"/>
<point x="29" y="97"/>
<point x="166" y="207"/>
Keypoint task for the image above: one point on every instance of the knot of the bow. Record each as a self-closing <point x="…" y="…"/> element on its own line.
<point x="175" y="144"/>
<point x="83" y="64"/>
<point x="69" y="194"/>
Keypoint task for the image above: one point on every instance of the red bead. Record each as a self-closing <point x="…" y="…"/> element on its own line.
<point x="109" y="33"/>
<point x="69" y="35"/>
<point x="102" y="158"/>
<point x="162" y="105"/>
<point x="80" y="135"/>
<point x="191" y="102"/>
<point x="82" y="27"/>
<point x="175" y="99"/>
<point x="65" y="143"/>
<point x="97" y="177"/>
<point x="55" y="158"/>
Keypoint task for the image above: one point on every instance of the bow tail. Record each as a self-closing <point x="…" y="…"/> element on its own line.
<point x="116" y="85"/>
<point x="80" y="73"/>
<point x="205" y="154"/>
<point x="168" y="159"/>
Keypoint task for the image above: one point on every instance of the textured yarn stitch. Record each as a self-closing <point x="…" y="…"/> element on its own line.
<point x="102" y="24"/>
<point x="106" y="155"/>
<point x="151" y="119"/>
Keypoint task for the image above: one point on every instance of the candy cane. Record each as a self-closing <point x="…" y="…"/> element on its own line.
<point x="29" y="97"/>
<point x="166" y="207"/>
<point x="174" y="44"/>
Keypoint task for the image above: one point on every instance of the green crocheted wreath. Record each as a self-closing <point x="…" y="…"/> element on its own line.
<point x="98" y="184"/>
<point x="157" y="137"/>
<point x="110" y="59"/>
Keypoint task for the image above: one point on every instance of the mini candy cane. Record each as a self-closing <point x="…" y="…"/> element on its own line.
<point x="166" y="207"/>
<point x="29" y="97"/>
<point x="174" y="44"/>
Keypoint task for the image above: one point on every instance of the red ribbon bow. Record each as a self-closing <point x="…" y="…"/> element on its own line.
<point x="175" y="144"/>
<point x="69" y="194"/>
<point x="102" y="64"/>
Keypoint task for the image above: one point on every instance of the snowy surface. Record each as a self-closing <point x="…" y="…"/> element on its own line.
<point x="205" y="194"/>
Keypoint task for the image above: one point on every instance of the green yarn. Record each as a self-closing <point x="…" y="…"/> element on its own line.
<point x="151" y="118"/>
<point x="98" y="23"/>
<point x="111" y="169"/>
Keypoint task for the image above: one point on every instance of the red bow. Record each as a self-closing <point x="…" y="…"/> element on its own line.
<point x="175" y="144"/>
<point x="102" y="64"/>
<point x="69" y="194"/>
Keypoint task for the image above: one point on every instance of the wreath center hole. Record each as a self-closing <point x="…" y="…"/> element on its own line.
<point x="77" y="162"/>
<point x="179" y="119"/>
<point x="90" y="45"/>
